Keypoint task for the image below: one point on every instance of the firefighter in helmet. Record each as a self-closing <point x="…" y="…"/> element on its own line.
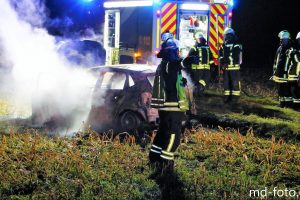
<point x="230" y="60"/>
<point x="280" y="69"/>
<point x="198" y="63"/>
<point x="170" y="100"/>
<point x="294" y="71"/>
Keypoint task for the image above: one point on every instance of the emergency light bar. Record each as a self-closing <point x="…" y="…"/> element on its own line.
<point x="123" y="4"/>
<point x="190" y="6"/>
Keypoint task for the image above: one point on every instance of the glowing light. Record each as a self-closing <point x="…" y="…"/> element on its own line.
<point x="86" y="1"/>
<point x="230" y="14"/>
<point x="190" y="6"/>
<point x="231" y="3"/>
<point x="156" y="1"/>
<point x="122" y="4"/>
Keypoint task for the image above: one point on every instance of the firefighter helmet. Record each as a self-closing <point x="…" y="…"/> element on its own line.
<point x="170" y="44"/>
<point x="199" y="35"/>
<point x="298" y="36"/>
<point x="284" y="35"/>
<point x="166" y="35"/>
<point x="228" y="31"/>
<point x="170" y="50"/>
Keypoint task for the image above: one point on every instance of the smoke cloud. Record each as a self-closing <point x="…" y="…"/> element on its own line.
<point x="34" y="73"/>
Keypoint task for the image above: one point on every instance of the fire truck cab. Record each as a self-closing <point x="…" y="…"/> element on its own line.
<point x="132" y="28"/>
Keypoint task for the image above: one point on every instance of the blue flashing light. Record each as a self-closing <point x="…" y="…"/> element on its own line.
<point x="87" y="1"/>
<point x="156" y="2"/>
<point x="231" y="3"/>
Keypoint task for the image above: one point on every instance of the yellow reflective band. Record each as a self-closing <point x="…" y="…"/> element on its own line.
<point x="167" y="157"/>
<point x="194" y="66"/>
<point x="202" y="82"/>
<point x="279" y="80"/>
<point x="207" y="51"/>
<point x="236" y="93"/>
<point x="167" y="153"/>
<point x="171" y="103"/>
<point x="233" y="67"/>
<point x="157" y="99"/>
<point x="154" y="151"/>
<point x="296" y="100"/>
<point x="171" y="142"/>
<point x="157" y="147"/>
<point x="226" y="92"/>
<point x="200" y="66"/>
<point x="156" y="104"/>
<point x="200" y="55"/>
<point x="170" y="109"/>
<point x="293" y="78"/>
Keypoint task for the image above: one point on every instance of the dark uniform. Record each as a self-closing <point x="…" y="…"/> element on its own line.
<point x="280" y="70"/>
<point x="169" y="98"/>
<point x="197" y="64"/>
<point x="230" y="60"/>
<point x="293" y="62"/>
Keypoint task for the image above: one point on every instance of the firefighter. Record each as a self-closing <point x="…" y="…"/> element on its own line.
<point x="170" y="100"/>
<point x="280" y="69"/>
<point x="198" y="63"/>
<point x="230" y="60"/>
<point x="294" y="71"/>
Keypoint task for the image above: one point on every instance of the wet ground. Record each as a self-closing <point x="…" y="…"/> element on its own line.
<point x="212" y="112"/>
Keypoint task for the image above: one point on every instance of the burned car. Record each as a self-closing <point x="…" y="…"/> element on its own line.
<point x="121" y="98"/>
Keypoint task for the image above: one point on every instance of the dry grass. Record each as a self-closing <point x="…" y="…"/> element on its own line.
<point x="210" y="165"/>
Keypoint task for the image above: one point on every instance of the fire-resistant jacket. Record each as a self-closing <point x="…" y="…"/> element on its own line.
<point x="199" y="58"/>
<point x="168" y="89"/>
<point x="280" y="68"/>
<point x="293" y="63"/>
<point x="231" y="56"/>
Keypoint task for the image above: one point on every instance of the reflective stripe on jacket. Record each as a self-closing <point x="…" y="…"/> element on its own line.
<point x="169" y="97"/>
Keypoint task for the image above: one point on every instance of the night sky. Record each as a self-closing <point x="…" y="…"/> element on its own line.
<point x="257" y="23"/>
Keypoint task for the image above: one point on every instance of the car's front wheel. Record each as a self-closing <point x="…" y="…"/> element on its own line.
<point x="130" y="121"/>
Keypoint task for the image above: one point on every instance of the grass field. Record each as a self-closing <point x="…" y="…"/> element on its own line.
<point x="209" y="165"/>
<point x="255" y="146"/>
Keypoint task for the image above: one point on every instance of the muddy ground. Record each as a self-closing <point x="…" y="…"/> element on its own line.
<point x="212" y="112"/>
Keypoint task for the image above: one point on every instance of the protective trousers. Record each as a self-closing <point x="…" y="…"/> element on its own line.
<point x="167" y="138"/>
<point x="295" y="90"/>
<point x="204" y="77"/>
<point x="232" y="86"/>
<point x="284" y="94"/>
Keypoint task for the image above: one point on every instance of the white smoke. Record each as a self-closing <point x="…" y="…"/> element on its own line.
<point x="39" y="73"/>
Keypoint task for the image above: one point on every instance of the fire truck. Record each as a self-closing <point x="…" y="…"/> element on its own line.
<point x="133" y="28"/>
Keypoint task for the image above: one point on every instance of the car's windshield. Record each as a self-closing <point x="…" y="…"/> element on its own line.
<point x="111" y="81"/>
